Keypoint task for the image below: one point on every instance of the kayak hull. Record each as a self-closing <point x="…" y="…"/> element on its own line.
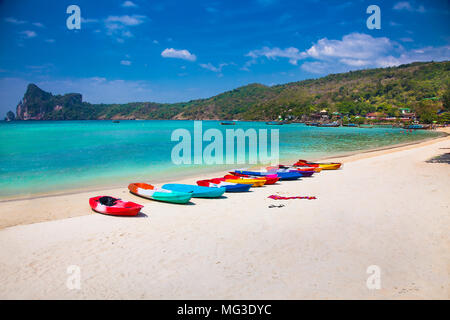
<point x="330" y="166"/>
<point x="307" y="168"/>
<point x="197" y="191"/>
<point x="229" y="186"/>
<point x="150" y="192"/>
<point x="306" y="173"/>
<point x="291" y="175"/>
<point x="256" y="182"/>
<point x="121" y="208"/>
<point x="324" y="166"/>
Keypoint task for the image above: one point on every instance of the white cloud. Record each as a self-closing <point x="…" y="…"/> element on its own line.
<point x="352" y="46"/>
<point x="293" y="54"/>
<point x="353" y="51"/>
<point x="38" y="24"/>
<point x="118" y="26"/>
<point x="394" y="24"/>
<point x="405" y="5"/>
<point x="423" y="54"/>
<point x="316" y="67"/>
<point x="125" y="62"/>
<point x="406" y="39"/>
<point x="155" y="41"/>
<point x="209" y="66"/>
<point x="50" y="40"/>
<point x="178" y="54"/>
<point x="127" y="34"/>
<point x="354" y="62"/>
<point x="126" y="20"/>
<point x="129" y="4"/>
<point x="14" y="20"/>
<point x="28" y="33"/>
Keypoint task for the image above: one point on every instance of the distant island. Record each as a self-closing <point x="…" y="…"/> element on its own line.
<point x="421" y="89"/>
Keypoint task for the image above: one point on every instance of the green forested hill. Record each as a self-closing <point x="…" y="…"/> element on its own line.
<point x="422" y="87"/>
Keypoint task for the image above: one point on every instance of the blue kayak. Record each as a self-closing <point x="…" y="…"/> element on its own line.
<point x="229" y="187"/>
<point x="237" y="187"/>
<point x="197" y="191"/>
<point x="288" y="175"/>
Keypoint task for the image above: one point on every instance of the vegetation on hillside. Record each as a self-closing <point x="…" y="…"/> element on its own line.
<point x="422" y="87"/>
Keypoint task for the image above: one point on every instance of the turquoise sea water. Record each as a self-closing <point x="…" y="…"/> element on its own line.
<point x="38" y="157"/>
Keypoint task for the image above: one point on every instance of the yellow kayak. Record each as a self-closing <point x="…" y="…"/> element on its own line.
<point x="253" y="182"/>
<point x="329" y="166"/>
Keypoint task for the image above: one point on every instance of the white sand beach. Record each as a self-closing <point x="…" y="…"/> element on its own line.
<point x="387" y="208"/>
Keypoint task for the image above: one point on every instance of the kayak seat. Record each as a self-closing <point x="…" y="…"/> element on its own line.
<point x="108" y="201"/>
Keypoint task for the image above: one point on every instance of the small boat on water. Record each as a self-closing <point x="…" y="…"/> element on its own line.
<point x="324" y="166"/>
<point x="116" y="121"/>
<point x="114" y="206"/>
<point x="274" y="123"/>
<point x="332" y="124"/>
<point x="228" y="123"/>
<point x="159" y="194"/>
<point x="417" y="126"/>
<point x="350" y="125"/>
<point x="229" y="186"/>
<point x="197" y="191"/>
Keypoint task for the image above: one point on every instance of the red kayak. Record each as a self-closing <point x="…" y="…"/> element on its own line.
<point x="114" y="206"/>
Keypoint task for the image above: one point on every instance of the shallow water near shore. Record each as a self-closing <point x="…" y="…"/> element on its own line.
<point x="52" y="156"/>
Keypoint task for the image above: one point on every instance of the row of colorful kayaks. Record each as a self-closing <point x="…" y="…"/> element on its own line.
<point x="235" y="181"/>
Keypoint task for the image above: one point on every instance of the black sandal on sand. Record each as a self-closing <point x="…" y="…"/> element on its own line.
<point x="275" y="206"/>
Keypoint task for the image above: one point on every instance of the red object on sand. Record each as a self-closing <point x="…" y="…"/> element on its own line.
<point x="275" y="197"/>
<point x="114" y="206"/>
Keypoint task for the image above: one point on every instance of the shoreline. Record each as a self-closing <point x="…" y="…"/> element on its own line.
<point x="195" y="175"/>
<point x="49" y="207"/>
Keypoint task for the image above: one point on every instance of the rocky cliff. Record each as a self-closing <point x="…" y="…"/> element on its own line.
<point x="38" y="104"/>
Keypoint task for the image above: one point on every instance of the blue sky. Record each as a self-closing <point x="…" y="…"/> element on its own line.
<point x="169" y="51"/>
